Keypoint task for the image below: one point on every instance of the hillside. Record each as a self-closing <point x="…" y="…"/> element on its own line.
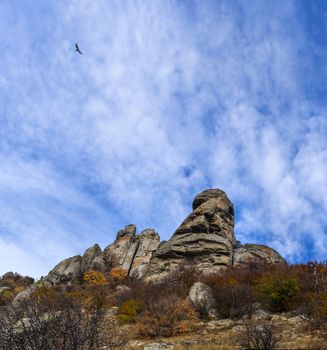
<point x="201" y="289"/>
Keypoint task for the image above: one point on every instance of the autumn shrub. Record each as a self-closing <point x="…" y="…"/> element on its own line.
<point x="278" y="290"/>
<point x="95" y="278"/>
<point x="315" y="308"/>
<point x="6" y="297"/>
<point x="13" y="279"/>
<point x="312" y="276"/>
<point x="129" y="310"/>
<point x="43" y="323"/>
<point x="257" y="335"/>
<point x="233" y="293"/>
<point x="118" y="274"/>
<point x="181" y="280"/>
<point x="166" y="317"/>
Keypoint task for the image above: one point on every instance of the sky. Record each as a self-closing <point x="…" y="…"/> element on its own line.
<point x="168" y="99"/>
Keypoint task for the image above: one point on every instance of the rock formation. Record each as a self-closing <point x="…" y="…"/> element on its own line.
<point x="249" y="253"/>
<point x="132" y="253"/>
<point x="205" y="239"/>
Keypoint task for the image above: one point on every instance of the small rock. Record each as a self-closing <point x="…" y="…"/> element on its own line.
<point x="113" y="311"/>
<point x="220" y="324"/>
<point x="123" y="288"/>
<point x="134" y="344"/>
<point x="295" y="320"/>
<point x="158" y="346"/>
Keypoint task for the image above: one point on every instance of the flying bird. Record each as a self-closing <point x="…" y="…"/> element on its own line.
<point x="77" y="49"/>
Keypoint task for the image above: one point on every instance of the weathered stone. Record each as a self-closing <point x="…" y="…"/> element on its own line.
<point x="133" y="252"/>
<point x="109" y="313"/>
<point x="201" y="296"/>
<point x="120" y="247"/>
<point x="256" y="253"/>
<point x="205" y="238"/>
<point x="158" y="346"/>
<point x="67" y="270"/>
<point x="148" y="242"/>
<point x="88" y="257"/>
<point x="128" y="230"/>
<point x="26" y="293"/>
<point x="122" y="288"/>
<point x="99" y="263"/>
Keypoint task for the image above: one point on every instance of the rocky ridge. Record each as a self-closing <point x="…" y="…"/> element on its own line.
<point x="205" y="239"/>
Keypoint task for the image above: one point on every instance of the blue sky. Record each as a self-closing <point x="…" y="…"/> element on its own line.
<point x="169" y="98"/>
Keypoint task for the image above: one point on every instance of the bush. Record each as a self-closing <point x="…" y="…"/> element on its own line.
<point x="233" y="293"/>
<point x="257" y="336"/>
<point x="48" y="324"/>
<point x="129" y="310"/>
<point x="95" y="278"/>
<point x="166" y="317"/>
<point x="279" y="289"/>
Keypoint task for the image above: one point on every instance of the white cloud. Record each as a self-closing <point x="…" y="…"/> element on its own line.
<point x="166" y="101"/>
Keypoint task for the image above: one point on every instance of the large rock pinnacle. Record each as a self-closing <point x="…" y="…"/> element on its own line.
<point x="205" y="238"/>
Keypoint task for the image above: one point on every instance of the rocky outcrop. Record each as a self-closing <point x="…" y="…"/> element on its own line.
<point x="129" y="252"/>
<point x="133" y="252"/>
<point x="67" y="270"/>
<point x="258" y="254"/>
<point x="205" y="238"/>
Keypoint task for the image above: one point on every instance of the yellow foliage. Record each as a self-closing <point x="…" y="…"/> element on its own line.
<point x="129" y="310"/>
<point x="118" y="274"/>
<point x="95" y="277"/>
<point x="6" y="294"/>
<point x="19" y="289"/>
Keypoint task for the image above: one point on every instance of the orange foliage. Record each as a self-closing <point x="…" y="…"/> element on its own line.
<point x="166" y="317"/>
<point x="118" y="274"/>
<point x="95" y="278"/>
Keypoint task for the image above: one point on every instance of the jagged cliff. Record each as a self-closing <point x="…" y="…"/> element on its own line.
<point x="205" y="239"/>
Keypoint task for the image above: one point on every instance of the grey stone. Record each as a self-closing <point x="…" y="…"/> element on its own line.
<point x="158" y="346"/>
<point x="202" y="297"/>
<point x="148" y="242"/>
<point x="26" y="293"/>
<point x="67" y="270"/>
<point x="133" y="252"/>
<point x="258" y="254"/>
<point x="205" y="238"/>
<point x="123" y="288"/>
<point x="88" y="257"/>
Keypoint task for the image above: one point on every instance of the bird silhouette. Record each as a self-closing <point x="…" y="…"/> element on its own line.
<point x="78" y="50"/>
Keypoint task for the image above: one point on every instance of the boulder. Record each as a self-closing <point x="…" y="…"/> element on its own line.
<point x="205" y="238"/>
<point x="26" y="293"/>
<point x="67" y="270"/>
<point x="256" y="254"/>
<point x="202" y="298"/>
<point x="89" y="256"/>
